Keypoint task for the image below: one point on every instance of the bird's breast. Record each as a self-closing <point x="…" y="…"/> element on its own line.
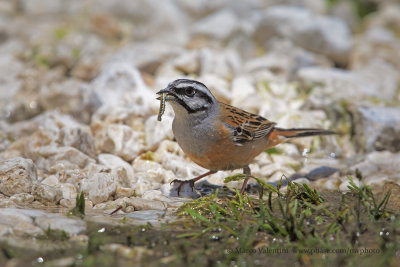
<point x="211" y="146"/>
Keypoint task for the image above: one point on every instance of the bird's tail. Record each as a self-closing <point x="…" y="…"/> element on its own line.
<point x="301" y="132"/>
<point x="279" y="135"/>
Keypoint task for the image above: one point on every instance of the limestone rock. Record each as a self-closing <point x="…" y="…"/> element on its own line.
<point x="378" y="128"/>
<point x="48" y="195"/>
<point x="376" y="42"/>
<point x="145" y="204"/>
<point x="60" y="223"/>
<point x="219" y="25"/>
<point x="27" y="229"/>
<point x="22" y="199"/>
<point x="326" y="35"/>
<point x="99" y="187"/>
<point x="120" y="140"/>
<point x="68" y="191"/>
<point x="119" y="168"/>
<point x="377" y="80"/>
<point x="17" y="175"/>
<point x="156" y="131"/>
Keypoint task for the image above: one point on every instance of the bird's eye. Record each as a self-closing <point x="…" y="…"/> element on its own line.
<point x="189" y="91"/>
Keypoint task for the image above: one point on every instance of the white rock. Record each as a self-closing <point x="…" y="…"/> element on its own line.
<point x="99" y="187"/>
<point x="120" y="168"/>
<point x="62" y="130"/>
<point x="122" y="192"/>
<point x="218" y="86"/>
<point x="68" y="203"/>
<point x="72" y="176"/>
<point x="5" y="230"/>
<point x="145" y="204"/>
<point x="377" y="161"/>
<point x="22" y="199"/>
<point x="149" y="18"/>
<point x="219" y="25"/>
<point x="46" y="7"/>
<point x="378" y="80"/>
<point x="155" y="195"/>
<point x="28" y="212"/>
<point x="10" y="68"/>
<point x="224" y="64"/>
<point x="12" y="217"/>
<point x="17" y="176"/>
<point x="48" y="195"/>
<point x="322" y="34"/>
<point x="120" y="140"/>
<point x="68" y="191"/>
<point x="284" y="59"/>
<point x="244" y="94"/>
<point x="147" y="56"/>
<point x="47" y="156"/>
<point x="93" y="168"/>
<point x="378" y="128"/>
<point x="187" y="62"/>
<point x="156" y="131"/>
<point x="153" y="171"/>
<point x="67" y="97"/>
<point x="51" y="180"/>
<point x="61" y="223"/>
<point x="120" y="89"/>
<point x="24" y="229"/>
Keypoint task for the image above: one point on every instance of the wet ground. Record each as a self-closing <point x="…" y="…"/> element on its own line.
<point x="292" y="226"/>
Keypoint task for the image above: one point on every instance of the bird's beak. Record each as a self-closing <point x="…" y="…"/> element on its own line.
<point x="170" y="94"/>
<point x="165" y="90"/>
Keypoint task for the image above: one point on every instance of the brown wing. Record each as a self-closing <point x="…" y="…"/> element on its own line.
<point x="246" y="126"/>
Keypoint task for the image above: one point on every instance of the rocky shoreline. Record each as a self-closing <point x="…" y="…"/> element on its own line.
<point x="78" y="109"/>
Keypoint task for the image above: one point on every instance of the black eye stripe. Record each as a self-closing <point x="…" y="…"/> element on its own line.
<point x="182" y="91"/>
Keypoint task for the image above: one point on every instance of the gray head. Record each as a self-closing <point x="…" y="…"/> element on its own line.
<point x="189" y="96"/>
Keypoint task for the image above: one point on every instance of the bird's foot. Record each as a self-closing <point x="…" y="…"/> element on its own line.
<point x="181" y="183"/>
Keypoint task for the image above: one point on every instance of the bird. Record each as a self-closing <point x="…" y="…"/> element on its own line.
<point x="218" y="136"/>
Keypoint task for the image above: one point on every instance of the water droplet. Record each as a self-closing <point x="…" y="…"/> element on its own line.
<point x="381" y="233"/>
<point x="332" y="155"/>
<point x="387" y="233"/>
<point x="33" y="105"/>
<point x="305" y="152"/>
<point x="40" y="260"/>
<point x="143" y="229"/>
<point x="102" y="230"/>
<point x="215" y="237"/>
<point x="358" y="234"/>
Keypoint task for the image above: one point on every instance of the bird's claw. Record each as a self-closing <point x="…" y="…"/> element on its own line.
<point x="182" y="182"/>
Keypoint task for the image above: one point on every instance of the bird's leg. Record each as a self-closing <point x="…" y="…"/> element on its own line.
<point x="247" y="172"/>
<point x="191" y="181"/>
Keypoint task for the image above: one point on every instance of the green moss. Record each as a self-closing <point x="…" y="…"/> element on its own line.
<point x="274" y="150"/>
<point x="60" y="33"/>
<point x="149" y="155"/>
<point x="79" y="209"/>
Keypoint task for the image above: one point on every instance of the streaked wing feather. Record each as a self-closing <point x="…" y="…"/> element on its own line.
<point x="246" y="126"/>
